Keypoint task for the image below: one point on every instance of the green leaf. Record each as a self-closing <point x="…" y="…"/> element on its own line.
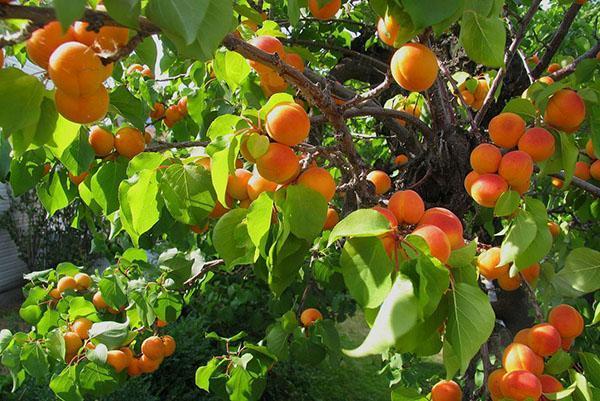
<point x="463" y="256"/>
<point x="145" y="161"/>
<point x="78" y="156"/>
<point x="50" y="319"/>
<point x="520" y="235"/>
<point x="113" y="292"/>
<point x="38" y="133"/>
<point x="424" y="14"/>
<point x="231" y="67"/>
<point x="98" y="380"/>
<point x="68" y="11"/>
<point x="483" y="38"/>
<point x="470" y="323"/>
<point x="146" y="51"/>
<point x="20" y="100"/>
<point x="111" y="334"/>
<point x="187" y="192"/>
<point x="558" y="363"/>
<point x="367" y="271"/>
<point x="507" y="204"/>
<point x="26" y="171"/>
<point x="259" y="218"/>
<point x="34" y="360"/>
<point x="138" y="198"/>
<point x="387" y="328"/>
<point x="570" y="154"/>
<point x="293" y="11"/>
<point x="204" y="373"/>
<point x="55" y="192"/>
<point x="243" y="385"/>
<point x="168" y="306"/>
<point x="361" y="223"/>
<point x="231" y="240"/>
<point x="591" y="367"/>
<point x="129" y="106"/>
<point x="431" y="281"/>
<point x="80" y="307"/>
<point x="223" y="164"/>
<point x="305" y="210"/>
<point x="105" y="184"/>
<point x="126" y="12"/>
<point x="522" y="107"/>
<point x="31" y="314"/>
<point x="225" y="124"/>
<point x="65" y="385"/>
<point x="582" y="270"/>
<point x="63" y="136"/>
<point x="407" y="394"/>
<point x="273" y="101"/>
<point x="182" y="18"/>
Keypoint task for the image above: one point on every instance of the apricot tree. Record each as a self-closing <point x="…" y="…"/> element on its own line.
<point x="414" y="155"/>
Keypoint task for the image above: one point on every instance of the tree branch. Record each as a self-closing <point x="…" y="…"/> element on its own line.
<point x="370" y="94"/>
<point x="579" y="183"/>
<point x="557" y="39"/>
<point x="161" y="146"/>
<point x="206" y="267"/>
<point x="563" y="72"/>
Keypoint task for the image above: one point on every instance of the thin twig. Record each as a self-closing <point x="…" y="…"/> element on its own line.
<point x="370" y="94"/>
<point x="563" y="72"/>
<point x="206" y="267"/>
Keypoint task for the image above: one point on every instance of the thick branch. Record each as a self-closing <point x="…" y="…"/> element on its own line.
<point x="563" y="72"/>
<point x="579" y="183"/>
<point x="556" y="41"/>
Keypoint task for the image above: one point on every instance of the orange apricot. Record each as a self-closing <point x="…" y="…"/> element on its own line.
<point x="595" y="170"/>
<point x="295" y="60"/>
<point x="589" y="149"/>
<point x="508" y="283"/>
<point x="516" y="167"/>
<point x="258" y="184"/>
<point x="485" y="158"/>
<point x="544" y="339"/>
<point x="554" y="229"/>
<point x="557" y="182"/>
<point x="219" y="209"/>
<point x="407" y="206"/>
<point x="170" y="345"/>
<point x="118" y="360"/>
<point x="565" y="110"/>
<point x="288" y="124"/>
<point x="154" y="348"/>
<point x="72" y="343"/>
<point x="77" y="70"/>
<point x="537" y="143"/>
<point x="467" y="97"/>
<point x="45" y="40"/>
<point x="158" y="111"/>
<point x="380" y="180"/>
<point x="401" y="160"/>
<point x="280" y="164"/>
<point x="387" y="29"/>
<point x="487" y="264"/>
<point x="414" y="67"/>
<point x="66" y="283"/>
<point x="331" y="220"/>
<point x="550" y="385"/>
<point x="522" y="337"/>
<point x="55" y="294"/>
<point x="82" y="327"/>
<point x="521" y="385"/>
<point x="582" y="171"/>
<point x="487" y="188"/>
<point x="470" y="179"/>
<point x="567" y="320"/>
<point x="388" y="215"/>
<point x="78" y="179"/>
<point x="327" y="11"/>
<point x="546" y="80"/>
<point x="320" y="180"/>
<point x="520" y="357"/>
<point x="82" y="109"/>
<point x="98" y="301"/>
<point x="182" y="106"/>
<point x="493" y="383"/>
<point x="552" y="68"/>
<point x="107" y="40"/>
<point x="446" y="221"/>
<point x="237" y="184"/>
<point x="567" y="343"/>
<point x="101" y="140"/>
<point x="309" y="316"/>
<point x="506" y="129"/>
<point x="134" y="369"/>
<point x="129" y="142"/>
<point x="531" y="273"/>
<point x="446" y="390"/>
<point x="83" y="281"/>
<point x="410" y="108"/>
<point x="436" y="239"/>
<point x="268" y="44"/>
<point x="148" y="365"/>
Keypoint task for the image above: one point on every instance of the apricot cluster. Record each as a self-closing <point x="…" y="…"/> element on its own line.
<point x="522" y="374"/>
<point x="488" y="265"/>
<point x="595" y="163"/>
<point x="72" y="59"/>
<point x="474" y="98"/>
<point x="441" y="229"/>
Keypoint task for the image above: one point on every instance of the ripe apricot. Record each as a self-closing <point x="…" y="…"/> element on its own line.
<point x="531" y="273"/>
<point x="537" y="143"/>
<point x="508" y="283"/>
<point x="82" y="109"/>
<point x="467" y="97"/>
<point x="380" y="180"/>
<point x="546" y="80"/>
<point x="219" y="210"/>
<point x="480" y="94"/>
<point x="66" y="283"/>
<point x="567" y="320"/>
<point x="550" y="385"/>
<point x="118" y="360"/>
<point x="182" y="106"/>
<point x="409" y="108"/>
<point x="582" y="171"/>
<point x="153" y="347"/>
<point x="387" y="29"/>
<point x="332" y="219"/>
<point x="158" y="111"/>
<point x="129" y="142"/>
<point x="134" y="369"/>
<point x="436" y="239"/>
<point x="407" y="206"/>
<point x="170" y="345"/>
<point x="45" y="40"/>
<point x="516" y="167"/>
<point x="567" y="343"/>
<point x="557" y="182"/>
<point x="72" y="343"/>
<point x="288" y="123"/>
<point x="470" y="179"/>
<point x="520" y="357"/>
<point x="295" y="60"/>
<point x="268" y="44"/>
<point x="446" y="390"/>
<point x="595" y="170"/>
<point x="487" y="264"/>
<point x="148" y="365"/>
<point x="101" y="140"/>
<point x="554" y="229"/>
<point x="401" y="160"/>
<point x="78" y="179"/>
<point x="589" y="149"/>
<point x="506" y="129"/>
<point x="414" y="67"/>
<point x="280" y="164"/>
<point x="133" y="68"/>
<point x="310" y="316"/>
<point x="82" y="326"/>
<point x="544" y="339"/>
<point x="83" y="281"/>
<point x="485" y="158"/>
<point x="237" y="184"/>
<point x="320" y="180"/>
<point x="493" y="383"/>
<point x="533" y="59"/>
<point x="99" y="301"/>
<point x="565" y="110"/>
<point x="487" y="188"/>
<point x="327" y="11"/>
<point x="107" y="40"/>
<point x="271" y="82"/>
<point x="521" y="385"/>
<point x="388" y="215"/>
<point x="257" y="185"/>
<point x="128" y="353"/>
<point x="552" y="68"/>
<point x="55" y="294"/>
<point x="77" y="70"/>
<point x="172" y="116"/>
<point x="522" y="337"/>
<point x="446" y="221"/>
